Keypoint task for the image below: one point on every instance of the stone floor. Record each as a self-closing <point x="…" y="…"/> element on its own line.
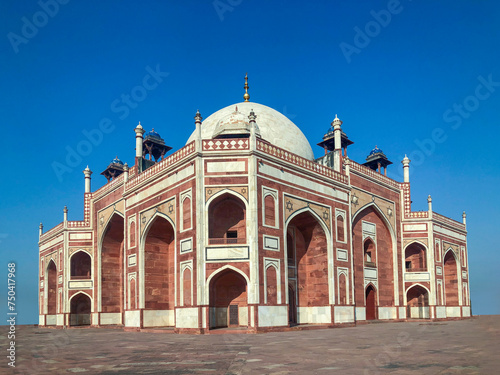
<point x="454" y="347"/>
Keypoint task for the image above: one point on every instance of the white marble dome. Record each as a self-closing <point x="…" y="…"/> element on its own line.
<point x="274" y="127"/>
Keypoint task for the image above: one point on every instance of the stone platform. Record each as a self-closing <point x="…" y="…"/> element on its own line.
<point x="451" y="347"/>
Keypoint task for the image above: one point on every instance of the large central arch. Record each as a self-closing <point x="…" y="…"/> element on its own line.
<point x="307" y="253"/>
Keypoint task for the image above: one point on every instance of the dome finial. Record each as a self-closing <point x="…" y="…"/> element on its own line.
<point x="247" y="95"/>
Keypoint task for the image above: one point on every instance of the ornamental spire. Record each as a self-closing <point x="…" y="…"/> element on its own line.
<point x="247" y="95"/>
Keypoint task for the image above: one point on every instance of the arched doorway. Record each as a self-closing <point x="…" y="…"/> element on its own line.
<point x="228" y="300"/>
<point x="80" y="310"/>
<point x="450" y="279"/>
<point x="51" y="288"/>
<point x="111" y="266"/>
<point x="371" y="303"/>
<point x="159" y="277"/>
<point x="307" y="267"/>
<point x="417" y="299"/>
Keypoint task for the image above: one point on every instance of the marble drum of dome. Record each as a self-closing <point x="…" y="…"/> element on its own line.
<point x="274" y="127"/>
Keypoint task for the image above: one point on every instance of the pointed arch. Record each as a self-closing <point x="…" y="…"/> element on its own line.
<point x="451" y="274"/>
<point x="311" y="276"/>
<point x="110" y="264"/>
<point x="394" y="244"/>
<point x="51" y="274"/>
<point x="371" y="301"/>
<point x="81" y="305"/>
<point x="416" y="254"/>
<point x="228" y="298"/>
<point x="226" y="215"/>
<point x="81" y="265"/>
<point x="417" y="301"/>
<point x="157" y="264"/>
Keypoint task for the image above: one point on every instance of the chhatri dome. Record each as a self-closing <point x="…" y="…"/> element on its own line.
<point x="273" y="126"/>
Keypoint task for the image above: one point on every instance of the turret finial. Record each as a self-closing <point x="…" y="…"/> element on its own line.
<point x="247" y="95"/>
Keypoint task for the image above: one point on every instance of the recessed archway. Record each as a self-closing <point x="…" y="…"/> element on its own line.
<point x="51" y="288"/>
<point x="226" y="220"/>
<point x="308" y="276"/>
<point x="112" y="265"/>
<point x="80" y="309"/>
<point x="415" y="258"/>
<point x="417" y="298"/>
<point x="159" y="255"/>
<point x="371" y="302"/>
<point x="81" y="265"/>
<point x="450" y="279"/>
<point x="228" y="300"/>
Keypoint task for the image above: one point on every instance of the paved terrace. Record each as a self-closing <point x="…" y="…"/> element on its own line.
<point x="453" y="347"/>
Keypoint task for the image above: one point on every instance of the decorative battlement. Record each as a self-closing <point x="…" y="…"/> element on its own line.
<point x="162" y="165"/>
<point x="300" y="161"/>
<point x="372" y="174"/>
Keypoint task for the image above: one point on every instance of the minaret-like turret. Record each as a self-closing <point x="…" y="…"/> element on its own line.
<point x="335" y="143"/>
<point x="65" y="212"/>
<point x="139" y="131"/>
<point x="406" y="169"/>
<point x="40" y="230"/>
<point x="377" y="160"/>
<point x="464" y="219"/>
<point x="87" y="172"/>
<point x="197" y="122"/>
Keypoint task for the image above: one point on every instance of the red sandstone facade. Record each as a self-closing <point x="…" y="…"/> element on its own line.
<point x="236" y="231"/>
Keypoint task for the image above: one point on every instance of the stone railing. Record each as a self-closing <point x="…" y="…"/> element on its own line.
<point x="109" y="186"/>
<point x="160" y="166"/>
<point x="300" y="161"/>
<point x="52" y="231"/>
<point x="417" y="215"/>
<point x="448" y="221"/>
<point x="225" y="144"/>
<point x="375" y="175"/>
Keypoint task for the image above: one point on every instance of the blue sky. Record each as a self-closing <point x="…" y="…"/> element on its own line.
<point x="414" y="77"/>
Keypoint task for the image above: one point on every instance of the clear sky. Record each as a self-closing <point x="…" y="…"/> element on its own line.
<point x="414" y="77"/>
